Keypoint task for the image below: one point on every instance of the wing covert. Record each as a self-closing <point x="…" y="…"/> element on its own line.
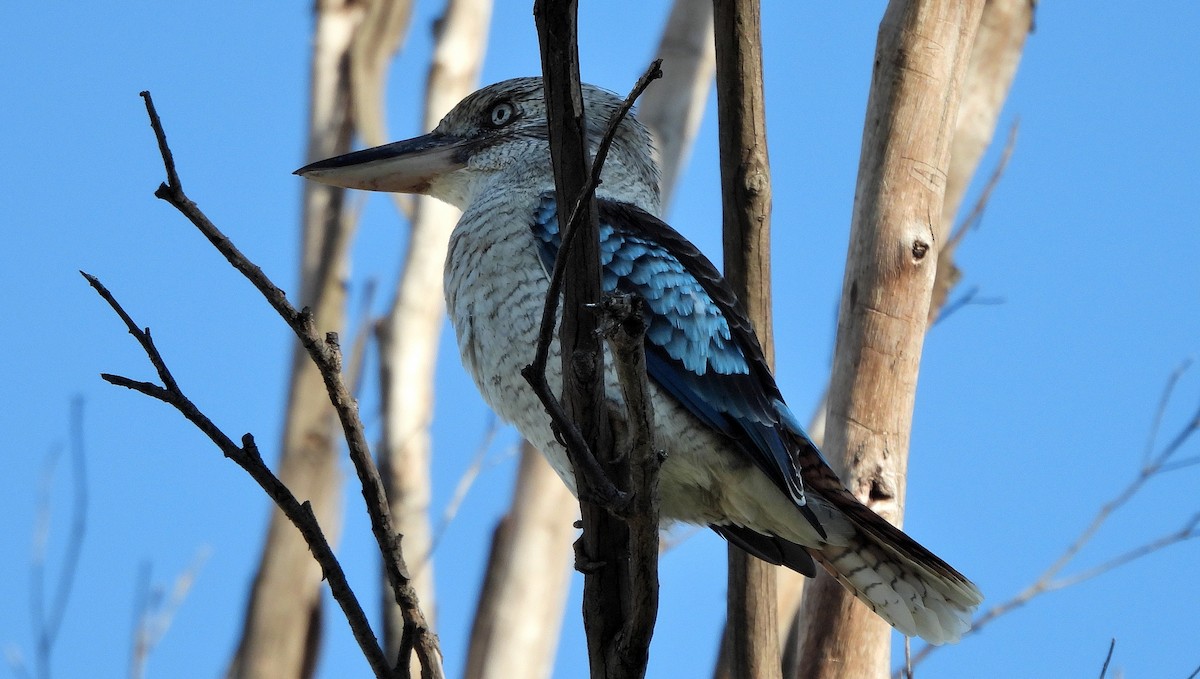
<point x="700" y="346"/>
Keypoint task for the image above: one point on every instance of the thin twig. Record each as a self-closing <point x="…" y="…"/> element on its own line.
<point x="969" y="298"/>
<point x="975" y="216"/>
<point x="326" y="354"/>
<point x="48" y="615"/>
<point x="465" y="481"/>
<point x="248" y="458"/>
<point x="1108" y="658"/>
<point x="153" y="615"/>
<point x="1153" y="465"/>
<point x="594" y="485"/>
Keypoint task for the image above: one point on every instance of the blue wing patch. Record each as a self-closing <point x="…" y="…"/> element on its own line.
<point x="699" y="345"/>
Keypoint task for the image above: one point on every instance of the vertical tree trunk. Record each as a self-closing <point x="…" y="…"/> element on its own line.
<point x="673" y="109"/>
<point x="582" y="354"/>
<point x="408" y="336"/>
<point x="521" y="605"/>
<point x="752" y="636"/>
<point x="999" y="42"/>
<point x="921" y="58"/>
<point x="1003" y="27"/>
<point x="282" y="625"/>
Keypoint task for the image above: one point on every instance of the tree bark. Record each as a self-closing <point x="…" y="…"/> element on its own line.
<point x="408" y="336"/>
<point x="581" y="351"/>
<point x="1003" y="27"/>
<point x="520" y="607"/>
<point x="532" y="543"/>
<point x="673" y="109"/>
<point x="921" y="58"/>
<point x="751" y="645"/>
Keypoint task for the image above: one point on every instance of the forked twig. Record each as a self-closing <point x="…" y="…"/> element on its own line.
<point x="1152" y="466"/>
<point x="248" y="458"/>
<point x="325" y="352"/>
<point x="593" y="481"/>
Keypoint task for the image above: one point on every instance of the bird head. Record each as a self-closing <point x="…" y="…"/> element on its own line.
<point x="496" y="136"/>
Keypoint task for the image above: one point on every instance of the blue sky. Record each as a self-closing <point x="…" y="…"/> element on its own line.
<point x="1030" y="413"/>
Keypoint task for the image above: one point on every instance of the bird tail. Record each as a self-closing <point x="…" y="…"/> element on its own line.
<point x="902" y="581"/>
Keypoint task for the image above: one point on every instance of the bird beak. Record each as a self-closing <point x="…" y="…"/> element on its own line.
<point x="400" y="167"/>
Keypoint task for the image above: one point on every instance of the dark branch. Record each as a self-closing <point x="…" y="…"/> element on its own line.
<point x="640" y="460"/>
<point x="326" y="355"/>
<point x="248" y="458"/>
<point x="593" y="484"/>
<point x="1108" y="658"/>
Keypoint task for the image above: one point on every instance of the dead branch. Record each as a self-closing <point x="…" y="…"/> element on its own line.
<point x="48" y="611"/>
<point x="326" y="355"/>
<point x="409" y="334"/>
<point x="517" y="618"/>
<point x="379" y="37"/>
<point x="750" y="646"/>
<point x="998" y="45"/>
<point x="673" y="110"/>
<point x="1153" y="466"/>
<point x="592" y="483"/>
<point x="153" y="615"/>
<point x="248" y="458"/>
<point x="530" y="542"/>
<point x="283" y="611"/>
<point x="582" y="421"/>
<point x="921" y="58"/>
<point x="640" y="458"/>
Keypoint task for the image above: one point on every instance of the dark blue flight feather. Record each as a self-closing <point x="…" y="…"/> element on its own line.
<point x="700" y="346"/>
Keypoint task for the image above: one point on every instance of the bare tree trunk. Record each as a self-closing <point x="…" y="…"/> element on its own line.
<point x="520" y="608"/>
<point x="282" y="625"/>
<point x="673" y="108"/>
<point x="408" y="336"/>
<point x="526" y="553"/>
<point x="921" y="58"/>
<point x="751" y="644"/>
<point x="1003" y="27"/>
<point x="999" y="42"/>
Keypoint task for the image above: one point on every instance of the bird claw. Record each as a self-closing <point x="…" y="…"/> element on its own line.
<point x="584" y="563"/>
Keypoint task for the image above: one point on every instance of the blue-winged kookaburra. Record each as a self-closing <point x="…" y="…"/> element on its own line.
<point x="737" y="458"/>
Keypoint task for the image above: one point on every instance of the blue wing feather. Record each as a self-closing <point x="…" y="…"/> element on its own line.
<point x="700" y="347"/>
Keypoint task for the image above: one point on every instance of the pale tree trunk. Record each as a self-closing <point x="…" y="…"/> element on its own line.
<point x="999" y="42"/>
<point x="674" y="107"/>
<point x="282" y="623"/>
<point x="750" y="647"/>
<point x="408" y="336"/>
<point x="520" y="608"/>
<point x="528" y="570"/>
<point x="921" y="58"/>
<point x="352" y="44"/>
<point x="1003" y="27"/>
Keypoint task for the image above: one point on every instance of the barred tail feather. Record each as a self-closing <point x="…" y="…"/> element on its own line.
<point x="904" y="583"/>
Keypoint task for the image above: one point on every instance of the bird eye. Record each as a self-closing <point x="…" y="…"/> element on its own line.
<point x="502" y="114"/>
